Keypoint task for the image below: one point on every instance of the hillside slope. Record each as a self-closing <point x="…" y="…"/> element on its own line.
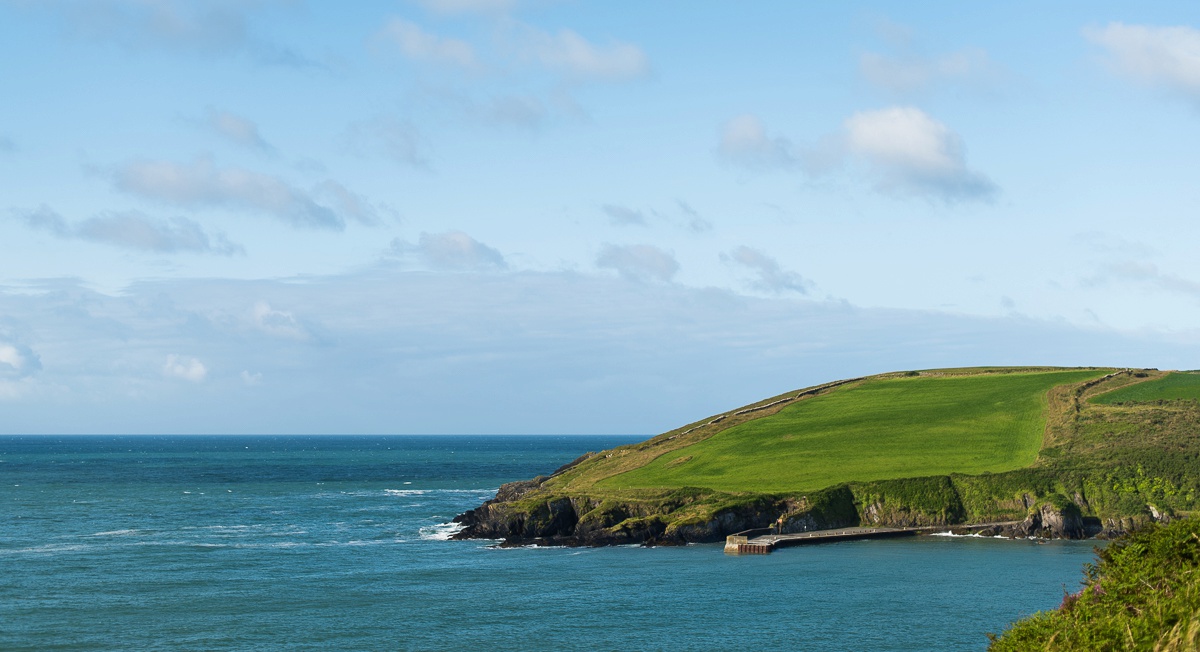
<point x="939" y="447"/>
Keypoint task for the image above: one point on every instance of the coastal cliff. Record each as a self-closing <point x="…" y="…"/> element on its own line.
<point x="523" y="515"/>
<point x="1098" y="470"/>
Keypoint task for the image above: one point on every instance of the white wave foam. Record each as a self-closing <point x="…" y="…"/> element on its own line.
<point x="973" y="535"/>
<point x="441" y="531"/>
<point x="404" y="492"/>
<point x="48" y="549"/>
<point x="117" y="533"/>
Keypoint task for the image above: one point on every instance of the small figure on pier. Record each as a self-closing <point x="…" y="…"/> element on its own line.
<point x="779" y="525"/>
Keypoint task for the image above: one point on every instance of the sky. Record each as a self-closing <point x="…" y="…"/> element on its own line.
<point x="544" y="216"/>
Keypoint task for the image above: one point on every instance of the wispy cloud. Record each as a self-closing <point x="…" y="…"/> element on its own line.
<point x="769" y="276"/>
<point x="133" y="230"/>
<point x="202" y="184"/>
<point x="418" y="45"/>
<point x="639" y="262"/>
<point x="745" y="142"/>
<point x="460" y="7"/>
<point x="394" y="138"/>
<point x="623" y="216"/>
<point x="1147" y="274"/>
<point x="694" y="221"/>
<point x="450" y="251"/>
<point x="215" y="27"/>
<point x="907" y="70"/>
<point x="578" y="59"/>
<point x="236" y="129"/>
<point x="910" y="73"/>
<point x="1167" y="57"/>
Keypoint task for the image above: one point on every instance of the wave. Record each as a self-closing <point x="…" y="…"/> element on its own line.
<point x="48" y="549"/>
<point x="368" y="493"/>
<point x="973" y="535"/>
<point x="441" y="531"/>
<point x="119" y="533"/>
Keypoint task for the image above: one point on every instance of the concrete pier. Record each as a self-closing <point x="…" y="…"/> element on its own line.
<point x="762" y="541"/>
<point x="761" y="544"/>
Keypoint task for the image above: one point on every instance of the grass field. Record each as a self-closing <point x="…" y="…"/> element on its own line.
<point x="881" y="428"/>
<point x="1175" y="385"/>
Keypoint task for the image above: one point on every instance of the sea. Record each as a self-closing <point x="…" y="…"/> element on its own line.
<point x="341" y="543"/>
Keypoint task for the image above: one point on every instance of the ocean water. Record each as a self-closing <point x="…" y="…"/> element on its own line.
<point x="339" y="543"/>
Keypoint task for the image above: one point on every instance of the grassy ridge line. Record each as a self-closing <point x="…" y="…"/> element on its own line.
<point x="1158" y="387"/>
<point x="881" y="428"/>
<point x="583" y="475"/>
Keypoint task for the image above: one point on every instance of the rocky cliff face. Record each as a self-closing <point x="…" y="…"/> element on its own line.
<point x="521" y="515"/>
<point x="529" y="512"/>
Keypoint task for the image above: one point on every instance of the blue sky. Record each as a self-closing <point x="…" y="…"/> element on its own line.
<point x="507" y="216"/>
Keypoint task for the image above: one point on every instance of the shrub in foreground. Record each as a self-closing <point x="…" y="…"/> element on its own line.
<point x="1143" y="593"/>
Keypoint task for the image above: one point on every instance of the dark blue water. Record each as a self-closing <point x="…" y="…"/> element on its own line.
<point x="307" y="543"/>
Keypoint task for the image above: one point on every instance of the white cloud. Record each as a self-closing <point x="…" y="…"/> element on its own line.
<point x="744" y="141"/>
<point x="577" y="58"/>
<point x="450" y="251"/>
<point x="1168" y="57"/>
<point x="237" y="129"/>
<point x="622" y="216"/>
<point x="278" y="323"/>
<point x="769" y="276"/>
<point x="251" y="379"/>
<point x="405" y="348"/>
<point x="184" y="368"/>
<point x="416" y="44"/>
<point x="911" y="73"/>
<point x="201" y="184"/>
<point x="906" y="150"/>
<point x="17" y="361"/>
<point x="134" y="230"/>
<point x="911" y="152"/>
<point x="638" y="262"/>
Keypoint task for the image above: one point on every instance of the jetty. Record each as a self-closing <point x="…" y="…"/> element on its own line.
<point x="763" y="541"/>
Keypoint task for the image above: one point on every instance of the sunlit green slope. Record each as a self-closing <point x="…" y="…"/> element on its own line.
<point x="875" y="429"/>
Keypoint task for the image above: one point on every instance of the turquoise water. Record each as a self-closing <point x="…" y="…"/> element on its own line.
<point x="307" y="543"/>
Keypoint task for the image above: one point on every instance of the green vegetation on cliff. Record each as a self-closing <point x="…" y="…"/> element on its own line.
<point x="877" y="429"/>
<point x="1142" y="594"/>
<point x="1034" y="446"/>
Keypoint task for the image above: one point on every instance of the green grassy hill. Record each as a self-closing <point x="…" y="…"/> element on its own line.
<point x="1173" y="386"/>
<point x="1049" y="447"/>
<point x="877" y="429"/>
